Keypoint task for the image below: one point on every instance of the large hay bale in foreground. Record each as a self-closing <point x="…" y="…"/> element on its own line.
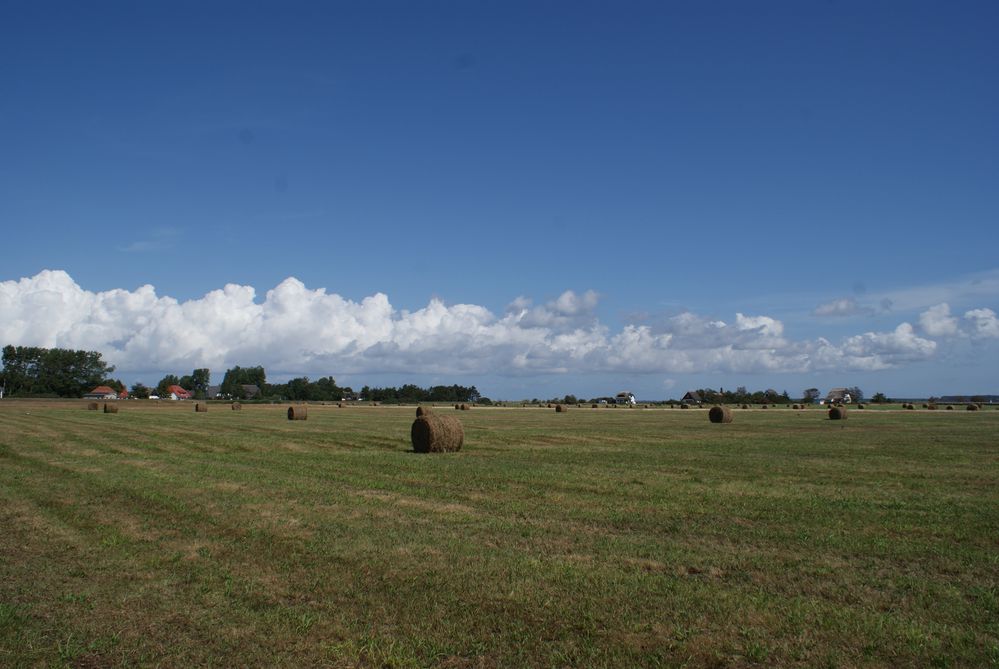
<point x="423" y="411"/>
<point x="720" y="415"/>
<point x="93" y="406"/>
<point x="200" y="407"/>
<point x="236" y="406"/>
<point x="560" y="409"/>
<point x="837" y="413"/>
<point x="436" y="433"/>
<point x="110" y="408"/>
<point x="298" y="413"/>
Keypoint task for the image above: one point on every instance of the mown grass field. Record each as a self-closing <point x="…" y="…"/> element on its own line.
<point x="593" y="538"/>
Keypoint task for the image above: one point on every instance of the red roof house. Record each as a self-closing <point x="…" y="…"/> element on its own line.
<point x="180" y="393"/>
<point x="101" y="393"/>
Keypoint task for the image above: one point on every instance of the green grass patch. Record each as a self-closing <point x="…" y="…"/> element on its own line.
<point x="158" y="536"/>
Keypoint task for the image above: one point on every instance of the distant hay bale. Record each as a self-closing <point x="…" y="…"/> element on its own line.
<point x="339" y="405"/>
<point x="763" y="406"/>
<point x="837" y="413"/>
<point x="560" y="409"/>
<point x="926" y="406"/>
<point x="300" y="412"/>
<point x="200" y="407"/>
<point x="437" y="433"/>
<point x="549" y="406"/>
<point x="860" y="406"/>
<point x="93" y="406"/>
<point x="236" y="406"/>
<point x="465" y="407"/>
<point x="972" y="407"/>
<point x="684" y="406"/>
<point x="457" y="407"/>
<point x="423" y="411"/>
<point x="950" y="408"/>
<point x="594" y="406"/>
<point x="110" y="408"/>
<point x="909" y="407"/>
<point x="794" y="406"/>
<point x="745" y="406"/>
<point x="931" y="407"/>
<point x="720" y="415"/>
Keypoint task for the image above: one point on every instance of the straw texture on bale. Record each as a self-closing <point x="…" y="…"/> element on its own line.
<point x="110" y="408"/>
<point x="236" y="406"/>
<point x="436" y="433"/>
<point x="93" y="406"/>
<point x="837" y="413"/>
<point x="298" y="413"/>
<point x="720" y="415"/>
<point x="560" y="409"/>
<point x="423" y="411"/>
<point x="201" y="407"/>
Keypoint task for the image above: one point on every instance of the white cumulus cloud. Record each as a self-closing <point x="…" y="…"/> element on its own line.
<point x="297" y="330"/>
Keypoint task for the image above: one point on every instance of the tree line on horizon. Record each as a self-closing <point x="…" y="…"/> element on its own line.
<point x="31" y="371"/>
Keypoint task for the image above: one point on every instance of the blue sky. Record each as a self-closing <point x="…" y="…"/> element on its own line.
<point x="571" y="172"/>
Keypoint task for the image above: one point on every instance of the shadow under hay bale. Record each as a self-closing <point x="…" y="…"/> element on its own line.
<point x="720" y="415"/>
<point x="236" y="406"/>
<point x="435" y="433"/>
<point x="423" y="411"/>
<point x="93" y="406"/>
<point x="110" y="408"/>
<point x="201" y="407"/>
<point x="837" y="413"/>
<point x="560" y="409"/>
<point x="298" y="413"/>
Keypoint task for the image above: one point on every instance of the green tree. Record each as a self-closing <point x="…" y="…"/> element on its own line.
<point x="810" y="395"/>
<point x="879" y="398"/>
<point x="141" y="391"/>
<point x="200" y="379"/>
<point x="31" y="370"/>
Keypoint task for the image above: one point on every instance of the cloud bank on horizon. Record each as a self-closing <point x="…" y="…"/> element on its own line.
<point x="296" y="330"/>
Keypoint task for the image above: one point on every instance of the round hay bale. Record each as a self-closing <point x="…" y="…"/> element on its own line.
<point x="457" y="407"/>
<point x="931" y="407"/>
<point x="720" y="415"/>
<point x="763" y="406"/>
<point x="909" y="407"/>
<point x="860" y="406"/>
<point x="837" y="413"/>
<point x="745" y="406"/>
<point x="110" y="408"/>
<point x="684" y="406"/>
<point x="972" y="407"/>
<point x="236" y="406"/>
<point x="436" y="433"/>
<point x="93" y="406"/>
<point x="200" y="407"/>
<point x="465" y="407"/>
<point x="423" y="411"/>
<point x="594" y="406"/>
<point x="926" y="406"/>
<point x="300" y="412"/>
<point x="560" y="409"/>
<point x="950" y="408"/>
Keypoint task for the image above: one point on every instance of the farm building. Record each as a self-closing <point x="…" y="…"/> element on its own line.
<point x="101" y="393"/>
<point x="838" y="396"/>
<point x="178" y="393"/>
<point x="625" y="397"/>
<point x="691" y="397"/>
